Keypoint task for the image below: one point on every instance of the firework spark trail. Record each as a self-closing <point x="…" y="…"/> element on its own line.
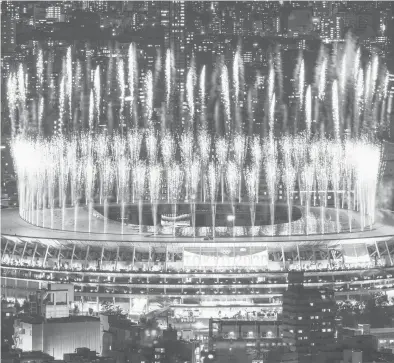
<point x="12" y="99"/>
<point x="271" y="82"/>
<point x="213" y="181"/>
<point x="21" y="85"/>
<point x="204" y="148"/>
<point x="367" y="98"/>
<point x="252" y="179"/>
<point x="335" y="111"/>
<point x="175" y="180"/>
<point x="97" y="92"/>
<point x="358" y="102"/>
<point x="308" y="176"/>
<point x="319" y="67"/>
<point x="299" y="158"/>
<point x="132" y="72"/>
<point x="101" y="149"/>
<point x="190" y="83"/>
<point x="240" y="148"/>
<point x="187" y="146"/>
<point x="168" y="74"/>
<point x="121" y="165"/>
<point x="154" y="190"/>
<point x="120" y="75"/>
<point x="271" y="175"/>
<point x="40" y="69"/>
<point x="202" y="95"/>
<point x="301" y="81"/>
<point x="279" y="70"/>
<point x="232" y="180"/>
<point x="194" y="177"/>
<point x="226" y="95"/>
<point x="357" y="65"/>
<point x="91" y="111"/>
<point x="374" y="73"/>
<point x="134" y="138"/>
<point x="61" y="104"/>
<point x="308" y="111"/>
<point x="151" y="146"/>
<point x="204" y="145"/>
<point x="256" y="151"/>
<point x="110" y="67"/>
<point x="286" y="146"/>
<point x="322" y="79"/>
<point x="154" y="182"/>
<point x="289" y="179"/>
<point x="236" y="80"/>
<point x="149" y="98"/>
<point x="221" y="152"/>
<point x="168" y="148"/>
<point x="272" y="117"/>
<point x="139" y="179"/>
<point x="69" y="78"/>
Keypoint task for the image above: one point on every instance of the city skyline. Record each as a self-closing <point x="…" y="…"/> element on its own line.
<point x="200" y="182"/>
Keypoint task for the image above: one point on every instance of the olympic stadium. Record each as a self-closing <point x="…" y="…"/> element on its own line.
<point x="142" y="272"/>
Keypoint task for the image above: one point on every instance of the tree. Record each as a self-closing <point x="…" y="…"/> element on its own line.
<point x="17" y="306"/>
<point x="111" y="309"/>
<point x="26" y="306"/>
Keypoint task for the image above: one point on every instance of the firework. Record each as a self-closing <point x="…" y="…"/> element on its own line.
<point x="190" y="82"/>
<point x="134" y="138"/>
<point x="139" y="178"/>
<point x="121" y="83"/>
<point x="40" y="68"/>
<point x="149" y="97"/>
<point x="168" y="148"/>
<point x="226" y="92"/>
<point x="204" y="145"/>
<point x="232" y="179"/>
<point x="186" y="145"/>
<point x="97" y="91"/>
<point x="308" y="111"/>
<point x="175" y="180"/>
<point x="202" y="92"/>
<point x="154" y="182"/>
<point x="151" y="146"/>
<point x="335" y="110"/>
<point x="168" y="74"/>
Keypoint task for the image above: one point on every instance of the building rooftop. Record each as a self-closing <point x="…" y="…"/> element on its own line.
<point x="70" y="319"/>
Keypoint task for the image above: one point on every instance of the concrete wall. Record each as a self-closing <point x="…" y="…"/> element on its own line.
<point x="60" y="338"/>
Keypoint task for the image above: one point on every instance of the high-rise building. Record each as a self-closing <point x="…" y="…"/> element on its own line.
<point x="9" y="16"/>
<point x="308" y="317"/>
<point x="8" y="34"/>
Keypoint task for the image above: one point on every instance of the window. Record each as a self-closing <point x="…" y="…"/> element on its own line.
<point x="300" y="318"/>
<point x="299" y="331"/>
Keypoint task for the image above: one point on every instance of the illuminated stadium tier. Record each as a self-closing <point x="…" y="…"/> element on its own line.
<point x="144" y="272"/>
